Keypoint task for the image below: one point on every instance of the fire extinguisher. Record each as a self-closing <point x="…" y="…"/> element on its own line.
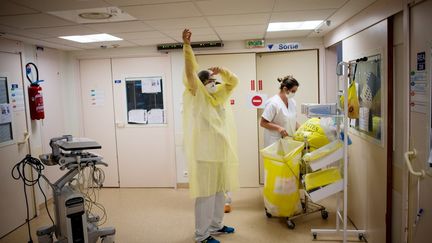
<point x="35" y="94"/>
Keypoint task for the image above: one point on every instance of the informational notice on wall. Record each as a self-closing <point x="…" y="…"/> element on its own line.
<point x="419" y="91"/>
<point x="5" y="113"/>
<point x="17" y="98"/>
<point x="97" y="97"/>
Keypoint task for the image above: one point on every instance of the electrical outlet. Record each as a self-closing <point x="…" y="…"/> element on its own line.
<point x="185" y="173"/>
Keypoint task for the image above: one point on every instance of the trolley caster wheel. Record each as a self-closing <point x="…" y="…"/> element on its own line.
<point x="290" y="223"/>
<point x="324" y="214"/>
<point x="268" y="214"/>
<point x="361" y="236"/>
<point x="314" y="234"/>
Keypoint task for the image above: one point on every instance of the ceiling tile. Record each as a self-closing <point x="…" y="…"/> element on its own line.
<point x="20" y="32"/>
<point x="33" y="21"/>
<point x="10" y="8"/>
<point x="222" y="7"/>
<point x="44" y="43"/>
<point x="63" y="31"/>
<point x="139" y="2"/>
<point x="119" y="27"/>
<point x="245" y="19"/>
<point x="154" y="41"/>
<point x="302" y="15"/>
<point x="259" y="29"/>
<point x="179" y="24"/>
<point x="199" y="34"/>
<point x="347" y="11"/>
<point x="57" y="5"/>
<point x="287" y="34"/>
<point x="241" y="36"/>
<point x="163" y="11"/>
<point x="140" y="35"/>
<point x="200" y="38"/>
<point x="293" y="5"/>
<point x="112" y="44"/>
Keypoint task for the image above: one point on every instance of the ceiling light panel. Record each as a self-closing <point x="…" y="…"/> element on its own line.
<point x="91" y="38"/>
<point x="163" y="11"/>
<point x="224" y="7"/>
<point x="286" y="26"/>
<point x="293" y="5"/>
<point x="239" y="19"/>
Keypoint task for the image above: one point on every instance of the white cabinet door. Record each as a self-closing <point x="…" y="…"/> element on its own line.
<point x="98" y="113"/>
<point x="146" y="152"/>
<point x="12" y="204"/>
<point x="303" y="65"/>
<point x="243" y="65"/>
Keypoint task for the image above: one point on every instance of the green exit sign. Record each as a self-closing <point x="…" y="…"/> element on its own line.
<point x="255" y="44"/>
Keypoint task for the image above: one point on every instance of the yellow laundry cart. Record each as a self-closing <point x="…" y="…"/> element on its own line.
<point x="281" y="177"/>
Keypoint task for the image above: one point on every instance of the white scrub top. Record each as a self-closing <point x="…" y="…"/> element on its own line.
<point x="276" y="111"/>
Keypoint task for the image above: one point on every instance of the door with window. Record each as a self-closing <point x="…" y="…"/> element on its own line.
<point x="127" y="108"/>
<point x="142" y="99"/>
<point x="303" y="66"/>
<point x="13" y="143"/>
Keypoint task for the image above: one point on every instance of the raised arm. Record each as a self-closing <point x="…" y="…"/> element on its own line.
<point x="190" y="63"/>
<point x="230" y="80"/>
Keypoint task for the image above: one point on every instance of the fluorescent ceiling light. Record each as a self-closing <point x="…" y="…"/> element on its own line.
<point x="302" y="25"/>
<point x="91" y="38"/>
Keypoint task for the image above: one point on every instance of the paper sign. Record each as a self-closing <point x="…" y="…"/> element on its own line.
<point x="5" y="113"/>
<point x="137" y="116"/>
<point x="257" y="100"/>
<point x="151" y="85"/>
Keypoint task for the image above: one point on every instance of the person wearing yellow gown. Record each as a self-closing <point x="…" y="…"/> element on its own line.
<point x="210" y="142"/>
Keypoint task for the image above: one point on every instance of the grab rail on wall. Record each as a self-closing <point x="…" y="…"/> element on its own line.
<point x="407" y="156"/>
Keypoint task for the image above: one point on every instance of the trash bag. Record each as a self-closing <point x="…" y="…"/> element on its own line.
<point x="321" y="178"/>
<point x="281" y="177"/>
<point x="323" y="151"/>
<point x="314" y="133"/>
<point x="353" y="102"/>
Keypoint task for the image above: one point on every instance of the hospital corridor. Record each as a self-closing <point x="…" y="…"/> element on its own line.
<point x="254" y="121"/>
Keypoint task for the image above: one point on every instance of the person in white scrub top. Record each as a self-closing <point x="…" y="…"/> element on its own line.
<point x="279" y="116"/>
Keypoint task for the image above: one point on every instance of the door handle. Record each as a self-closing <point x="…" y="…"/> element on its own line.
<point x="26" y="138"/>
<point x="407" y="155"/>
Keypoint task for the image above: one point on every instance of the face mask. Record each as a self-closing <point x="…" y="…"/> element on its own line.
<point x="290" y="95"/>
<point x="211" y="87"/>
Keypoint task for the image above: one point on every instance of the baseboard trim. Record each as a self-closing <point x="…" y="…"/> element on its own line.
<point x="183" y="185"/>
<point x="41" y="206"/>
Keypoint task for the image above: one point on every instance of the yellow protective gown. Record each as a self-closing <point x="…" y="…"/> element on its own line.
<point x="210" y="138"/>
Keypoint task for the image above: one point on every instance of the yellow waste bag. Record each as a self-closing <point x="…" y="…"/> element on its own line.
<point x="353" y="102"/>
<point x="321" y="178"/>
<point x="313" y="132"/>
<point x="281" y="177"/>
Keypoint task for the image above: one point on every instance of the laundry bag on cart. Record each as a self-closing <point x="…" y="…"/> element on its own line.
<point x="281" y="177"/>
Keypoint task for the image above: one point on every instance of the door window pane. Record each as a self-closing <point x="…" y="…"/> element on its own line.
<point x="5" y="112"/>
<point x="145" y="100"/>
